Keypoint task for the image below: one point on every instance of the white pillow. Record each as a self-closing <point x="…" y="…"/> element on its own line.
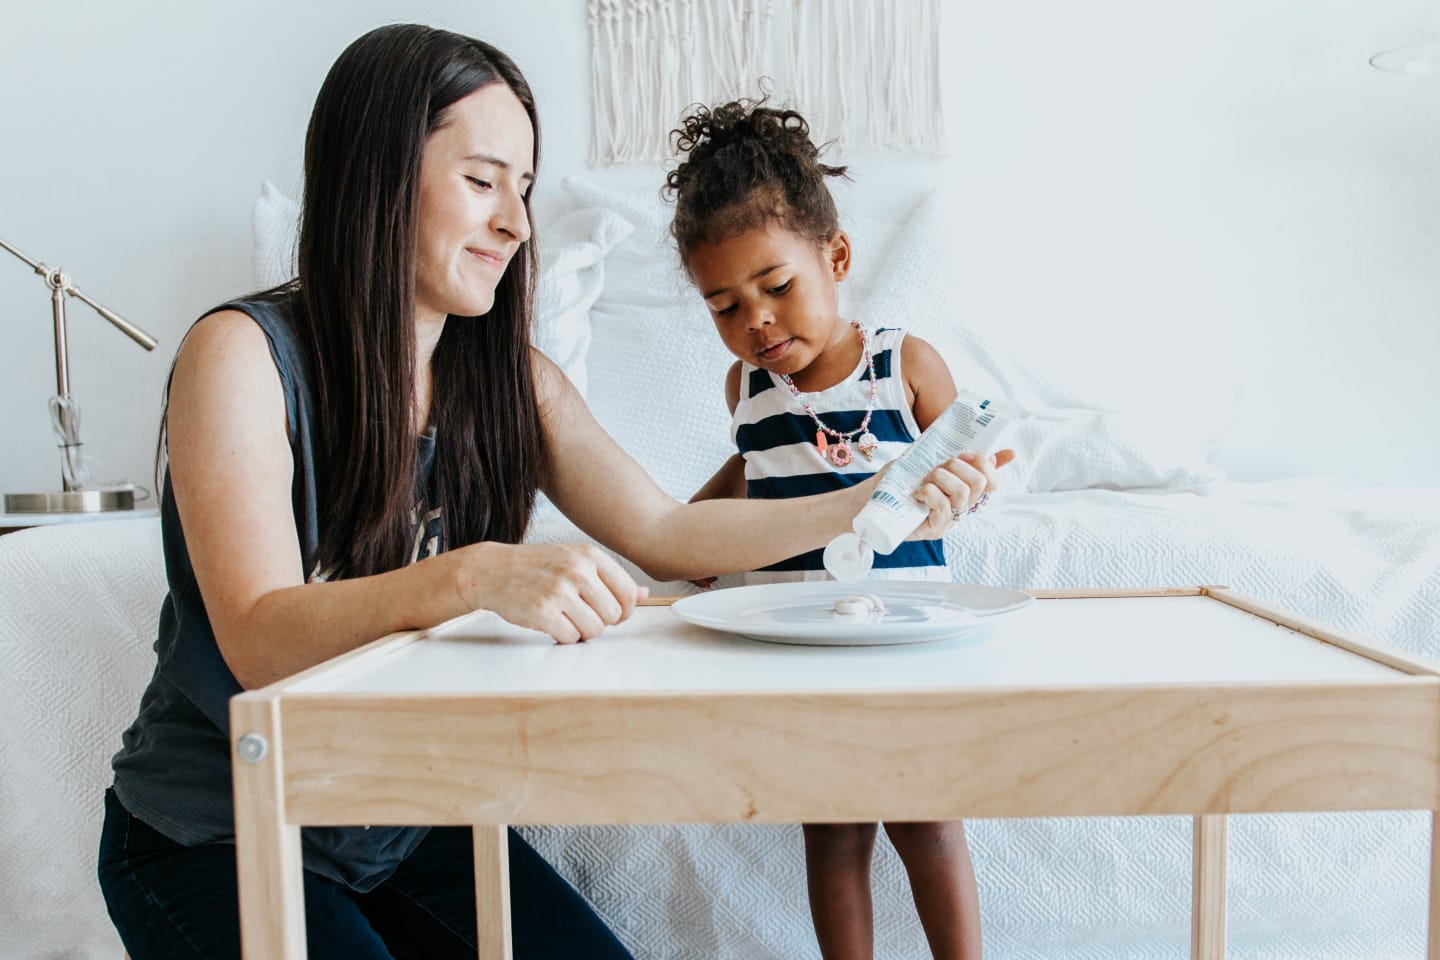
<point x="572" y="253"/>
<point x="657" y="367"/>
<point x="1066" y="440"/>
<point x="274" y="227"/>
<point x="572" y="274"/>
<point x="647" y="269"/>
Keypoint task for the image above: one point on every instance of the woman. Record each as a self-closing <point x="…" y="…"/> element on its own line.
<point x="358" y="452"/>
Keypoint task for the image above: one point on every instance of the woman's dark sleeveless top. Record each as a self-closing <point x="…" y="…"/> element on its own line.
<point x="173" y="771"/>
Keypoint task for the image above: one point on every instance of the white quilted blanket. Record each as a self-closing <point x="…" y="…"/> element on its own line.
<point x="77" y="615"/>
<point x="1302" y="887"/>
<point x="79" y="607"/>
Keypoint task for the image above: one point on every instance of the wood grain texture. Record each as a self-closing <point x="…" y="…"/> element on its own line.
<point x="492" y="891"/>
<point x="1432" y="951"/>
<point x="1207" y="888"/>
<point x="483" y="760"/>
<point x="1098" y="593"/>
<point x="782" y="757"/>
<point x="267" y="848"/>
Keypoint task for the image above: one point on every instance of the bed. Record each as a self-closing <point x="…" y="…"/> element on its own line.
<point x="1106" y="494"/>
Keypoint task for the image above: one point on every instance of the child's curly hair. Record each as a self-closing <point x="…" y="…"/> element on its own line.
<point x="746" y="165"/>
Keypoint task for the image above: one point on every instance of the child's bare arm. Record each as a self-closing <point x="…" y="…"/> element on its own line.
<point x="728" y="483"/>
<point x="928" y="384"/>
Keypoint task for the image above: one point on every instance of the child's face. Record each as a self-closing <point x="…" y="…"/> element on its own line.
<point x="772" y="295"/>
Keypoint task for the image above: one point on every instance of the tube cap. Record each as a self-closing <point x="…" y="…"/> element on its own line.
<point x="848" y="558"/>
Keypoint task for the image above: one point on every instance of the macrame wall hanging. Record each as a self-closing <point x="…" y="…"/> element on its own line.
<point x="865" y="73"/>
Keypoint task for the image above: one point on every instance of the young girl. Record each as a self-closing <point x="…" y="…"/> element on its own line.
<point x="818" y="403"/>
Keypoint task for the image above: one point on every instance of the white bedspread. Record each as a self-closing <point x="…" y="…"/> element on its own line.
<point x="79" y="607"/>
<point x="77" y="616"/>
<point x="1311" y="887"/>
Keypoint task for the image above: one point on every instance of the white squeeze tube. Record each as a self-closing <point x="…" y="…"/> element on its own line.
<point x="891" y="515"/>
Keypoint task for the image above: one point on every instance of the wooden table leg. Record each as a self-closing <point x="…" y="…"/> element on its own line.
<point x="1433" y="940"/>
<point x="492" y="891"/>
<point x="267" y="850"/>
<point x="1207" y="889"/>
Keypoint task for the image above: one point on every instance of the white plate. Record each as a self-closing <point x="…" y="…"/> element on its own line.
<point x="803" y="613"/>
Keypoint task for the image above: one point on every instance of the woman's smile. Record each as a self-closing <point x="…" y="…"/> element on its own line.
<point x="488" y="257"/>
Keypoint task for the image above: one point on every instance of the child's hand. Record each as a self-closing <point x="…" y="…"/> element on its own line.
<point x="954" y="488"/>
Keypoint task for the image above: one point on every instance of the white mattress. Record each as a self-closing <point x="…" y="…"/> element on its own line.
<point x="77" y="618"/>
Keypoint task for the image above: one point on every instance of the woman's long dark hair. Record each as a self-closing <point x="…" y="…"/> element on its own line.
<point x="379" y="104"/>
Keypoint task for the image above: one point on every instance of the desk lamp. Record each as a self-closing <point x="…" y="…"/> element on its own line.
<point x="76" y="496"/>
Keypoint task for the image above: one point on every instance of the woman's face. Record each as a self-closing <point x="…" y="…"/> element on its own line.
<point x="474" y="175"/>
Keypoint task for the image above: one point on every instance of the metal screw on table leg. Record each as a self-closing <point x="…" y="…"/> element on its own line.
<point x="252" y="748"/>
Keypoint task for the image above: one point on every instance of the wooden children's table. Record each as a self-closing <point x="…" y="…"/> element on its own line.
<point x="1195" y="701"/>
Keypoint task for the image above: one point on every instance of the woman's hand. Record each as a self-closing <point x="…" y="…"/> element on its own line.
<point x="948" y="491"/>
<point x="570" y="591"/>
<point x="954" y="487"/>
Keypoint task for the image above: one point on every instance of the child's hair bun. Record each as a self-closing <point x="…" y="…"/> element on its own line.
<point x="743" y="164"/>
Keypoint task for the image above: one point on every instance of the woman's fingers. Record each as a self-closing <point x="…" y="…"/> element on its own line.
<point x="604" y="594"/>
<point x="586" y="623"/>
<point x="986" y="467"/>
<point x="570" y="591"/>
<point x="601" y="599"/>
<point x="979" y="471"/>
<point x="555" y="623"/>
<point x="938" y="511"/>
<point x="955" y="486"/>
<point x="961" y="483"/>
<point x="620" y="586"/>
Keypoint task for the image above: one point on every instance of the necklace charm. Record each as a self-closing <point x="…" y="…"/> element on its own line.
<point x="831" y="444"/>
<point x="868" y="445"/>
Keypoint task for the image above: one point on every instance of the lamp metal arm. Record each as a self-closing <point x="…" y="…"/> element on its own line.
<point x="57" y="281"/>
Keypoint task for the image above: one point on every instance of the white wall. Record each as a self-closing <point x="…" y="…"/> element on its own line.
<point x="1158" y="173"/>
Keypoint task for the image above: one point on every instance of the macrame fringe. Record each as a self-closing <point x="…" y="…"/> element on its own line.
<point x="865" y="73"/>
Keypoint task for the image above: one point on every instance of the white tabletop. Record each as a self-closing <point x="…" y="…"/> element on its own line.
<point x="1053" y="643"/>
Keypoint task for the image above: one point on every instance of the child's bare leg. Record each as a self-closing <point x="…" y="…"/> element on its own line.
<point x="942" y="881"/>
<point x="837" y="870"/>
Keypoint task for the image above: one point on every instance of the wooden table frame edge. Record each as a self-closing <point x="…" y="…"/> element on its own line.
<point x="268" y="846"/>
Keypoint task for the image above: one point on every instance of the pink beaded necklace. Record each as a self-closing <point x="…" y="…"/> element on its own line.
<point x="839" y="452"/>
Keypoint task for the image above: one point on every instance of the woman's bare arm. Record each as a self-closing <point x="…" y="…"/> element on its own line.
<point x="608" y="495"/>
<point x="231" y="471"/>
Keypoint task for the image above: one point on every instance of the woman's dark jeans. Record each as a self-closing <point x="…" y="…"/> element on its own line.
<point x="171" y="902"/>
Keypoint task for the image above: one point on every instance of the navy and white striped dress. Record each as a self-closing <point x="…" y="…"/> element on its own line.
<point x="776" y="437"/>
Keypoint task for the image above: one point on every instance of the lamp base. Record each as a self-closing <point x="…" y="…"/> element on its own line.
<point x="71" y="501"/>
